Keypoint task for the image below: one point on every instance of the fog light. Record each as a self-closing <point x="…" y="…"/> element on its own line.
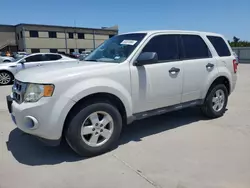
<point x="31" y="122"/>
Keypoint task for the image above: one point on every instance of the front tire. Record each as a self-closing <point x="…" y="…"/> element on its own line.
<point x="94" y="129"/>
<point x="6" y="78"/>
<point x="215" y="102"/>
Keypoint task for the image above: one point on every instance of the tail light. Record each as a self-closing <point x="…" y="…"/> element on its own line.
<point x="235" y="65"/>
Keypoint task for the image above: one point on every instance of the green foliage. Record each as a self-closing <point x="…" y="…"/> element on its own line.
<point x="238" y="43"/>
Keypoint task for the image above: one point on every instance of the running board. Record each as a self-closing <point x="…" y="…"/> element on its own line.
<point x="159" y="111"/>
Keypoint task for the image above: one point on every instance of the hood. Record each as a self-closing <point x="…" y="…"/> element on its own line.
<point x="61" y="71"/>
<point x="7" y="64"/>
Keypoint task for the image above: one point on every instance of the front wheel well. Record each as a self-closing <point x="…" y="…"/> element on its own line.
<point x="97" y="97"/>
<point x="220" y="80"/>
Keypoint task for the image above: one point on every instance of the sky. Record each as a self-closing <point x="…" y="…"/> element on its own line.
<point x="227" y="17"/>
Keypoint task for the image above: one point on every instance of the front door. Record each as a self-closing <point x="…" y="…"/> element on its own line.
<point x="160" y="84"/>
<point x="30" y="61"/>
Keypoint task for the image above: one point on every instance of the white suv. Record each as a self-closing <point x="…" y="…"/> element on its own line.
<point x="129" y="77"/>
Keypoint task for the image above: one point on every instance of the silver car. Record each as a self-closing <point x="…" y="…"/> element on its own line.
<point x="9" y="69"/>
<point x="6" y="59"/>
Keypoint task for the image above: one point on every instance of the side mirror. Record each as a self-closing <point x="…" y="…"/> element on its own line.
<point x="146" y="58"/>
<point x="22" y="61"/>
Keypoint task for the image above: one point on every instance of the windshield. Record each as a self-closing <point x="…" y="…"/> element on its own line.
<point x="117" y="49"/>
<point x="17" y="58"/>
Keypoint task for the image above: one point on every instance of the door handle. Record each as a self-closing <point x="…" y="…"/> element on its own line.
<point x="174" y="70"/>
<point x="210" y="65"/>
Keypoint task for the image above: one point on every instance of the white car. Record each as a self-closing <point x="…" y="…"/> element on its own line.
<point x="8" y="69"/>
<point x="129" y="77"/>
<point x="6" y="59"/>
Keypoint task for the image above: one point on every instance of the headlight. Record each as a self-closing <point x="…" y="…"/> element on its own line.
<point x="35" y="92"/>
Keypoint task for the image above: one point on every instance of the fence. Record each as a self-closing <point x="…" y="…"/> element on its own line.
<point x="243" y="54"/>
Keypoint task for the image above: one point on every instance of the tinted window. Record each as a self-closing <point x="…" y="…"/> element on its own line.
<point x="34" y="58"/>
<point x="52" y="57"/>
<point x="33" y="33"/>
<point x="219" y="45"/>
<point x="166" y="47"/>
<point x="53" y="50"/>
<point x="195" y="47"/>
<point x="52" y="34"/>
<point x="81" y="35"/>
<point x="35" y="50"/>
<point x="71" y="36"/>
<point x="71" y="50"/>
<point x="110" y="36"/>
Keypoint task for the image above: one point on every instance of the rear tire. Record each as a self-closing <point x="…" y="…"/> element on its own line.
<point x="6" y="78"/>
<point x="215" y="102"/>
<point x="100" y="120"/>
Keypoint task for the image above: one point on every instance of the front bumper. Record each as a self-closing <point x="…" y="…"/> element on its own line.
<point x="43" y="119"/>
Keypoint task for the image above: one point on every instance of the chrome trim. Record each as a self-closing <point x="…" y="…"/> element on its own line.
<point x="18" y="91"/>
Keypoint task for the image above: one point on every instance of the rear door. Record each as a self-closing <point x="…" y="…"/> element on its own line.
<point x="51" y="58"/>
<point x="198" y="66"/>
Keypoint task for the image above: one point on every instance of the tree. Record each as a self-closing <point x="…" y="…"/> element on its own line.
<point x="238" y="43"/>
<point x="236" y="40"/>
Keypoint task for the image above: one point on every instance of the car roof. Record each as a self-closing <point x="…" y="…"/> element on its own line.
<point x="175" y="32"/>
<point x="44" y="53"/>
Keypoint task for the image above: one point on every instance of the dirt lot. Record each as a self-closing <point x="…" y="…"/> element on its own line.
<point x="180" y="150"/>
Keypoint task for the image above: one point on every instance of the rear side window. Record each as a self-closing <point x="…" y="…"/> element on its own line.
<point x="166" y="47"/>
<point x="52" y="57"/>
<point x="194" y="47"/>
<point x="219" y="45"/>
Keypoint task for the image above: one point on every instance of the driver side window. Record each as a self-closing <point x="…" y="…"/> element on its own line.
<point x="34" y="58"/>
<point x="166" y="47"/>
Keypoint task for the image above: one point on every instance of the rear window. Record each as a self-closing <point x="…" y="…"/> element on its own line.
<point x="195" y="47"/>
<point x="219" y="45"/>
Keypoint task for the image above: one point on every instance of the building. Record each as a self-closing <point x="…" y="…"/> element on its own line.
<point x="34" y="38"/>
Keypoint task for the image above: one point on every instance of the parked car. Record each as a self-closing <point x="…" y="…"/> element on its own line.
<point x="83" y="55"/>
<point x="75" y="55"/>
<point x="129" y="77"/>
<point x="18" y="55"/>
<point x="9" y="68"/>
<point x="6" y="59"/>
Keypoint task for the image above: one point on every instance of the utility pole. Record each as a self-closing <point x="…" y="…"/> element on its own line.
<point x="75" y="35"/>
<point x="94" y="39"/>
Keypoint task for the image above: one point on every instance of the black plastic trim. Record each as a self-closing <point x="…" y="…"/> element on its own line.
<point x="146" y="114"/>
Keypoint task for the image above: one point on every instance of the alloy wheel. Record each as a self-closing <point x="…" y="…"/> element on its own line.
<point x="5" y="78"/>
<point x="97" y="129"/>
<point x="218" y="100"/>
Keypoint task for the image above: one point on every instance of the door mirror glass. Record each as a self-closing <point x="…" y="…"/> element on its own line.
<point x="146" y="58"/>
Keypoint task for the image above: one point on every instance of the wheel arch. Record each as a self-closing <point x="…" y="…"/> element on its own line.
<point x="220" y="80"/>
<point x="97" y="97"/>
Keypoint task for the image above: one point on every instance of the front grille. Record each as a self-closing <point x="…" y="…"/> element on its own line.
<point x="18" y="91"/>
